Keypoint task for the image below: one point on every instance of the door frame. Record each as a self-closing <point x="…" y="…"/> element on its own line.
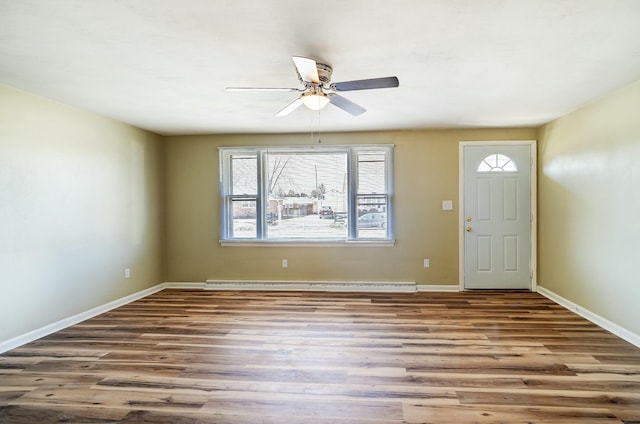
<point x="534" y="204"/>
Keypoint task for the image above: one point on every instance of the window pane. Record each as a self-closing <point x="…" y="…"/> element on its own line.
<point x="371" y="173"/>
<point x="244" y="174"/>
<point x="497" y="163"/>
<point x="243" y="222"/>
<point x="372" y="217"/>
<point x="307" y="195"/>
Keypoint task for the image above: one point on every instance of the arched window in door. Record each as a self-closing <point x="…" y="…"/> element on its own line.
<point x="497" y="163"/>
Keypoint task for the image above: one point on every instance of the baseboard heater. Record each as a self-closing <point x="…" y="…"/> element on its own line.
<point x="370" y="286"/>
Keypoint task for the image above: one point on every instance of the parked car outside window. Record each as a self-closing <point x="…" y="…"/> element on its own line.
<point x="326" y="212"/>
<point x="372" y="220"/>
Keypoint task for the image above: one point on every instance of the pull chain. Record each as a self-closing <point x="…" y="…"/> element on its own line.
<point x="319" y="140"/>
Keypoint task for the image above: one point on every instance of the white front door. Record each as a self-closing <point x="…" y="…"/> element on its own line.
<point x="497" y="216"/>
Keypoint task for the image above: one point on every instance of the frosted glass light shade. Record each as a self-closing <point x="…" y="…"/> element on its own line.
<point x="315" y="101"/>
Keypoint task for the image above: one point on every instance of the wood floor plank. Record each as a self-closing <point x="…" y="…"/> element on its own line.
<point x="444" y="414"/>
<point x="194" y="356"/>
<point x="82" y="396"/>
<point x="30" y="414"/>
<point x="209" y="417"/>
<point x="308" y="409"/>
<point x="576" y="398"/>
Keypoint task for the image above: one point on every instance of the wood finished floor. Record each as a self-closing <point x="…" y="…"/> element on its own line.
<point x="192" y="356"/>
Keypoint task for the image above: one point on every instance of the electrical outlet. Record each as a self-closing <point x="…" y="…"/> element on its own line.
<point x="127" y="273"/>
<point x="285" y="263"/>
<point x="427" y="263"/>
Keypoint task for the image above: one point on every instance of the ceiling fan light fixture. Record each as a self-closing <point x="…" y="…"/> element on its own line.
<point x="315" y="101"/>
<point x="316" y="79"/>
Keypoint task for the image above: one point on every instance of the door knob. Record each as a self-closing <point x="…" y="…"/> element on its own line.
<point x="468" y="229"/>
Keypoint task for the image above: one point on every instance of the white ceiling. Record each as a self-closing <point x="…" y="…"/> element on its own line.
<point x="163" y="65"/>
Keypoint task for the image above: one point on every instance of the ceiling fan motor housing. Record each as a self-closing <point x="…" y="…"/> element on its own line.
<point x="324" y="73"/>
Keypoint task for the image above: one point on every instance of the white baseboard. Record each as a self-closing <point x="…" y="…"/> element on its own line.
<point x="364" y="286"/>
<point x="619" y="331"/>
<point x="331" y="286"/>
<point x="438" y="288"/>
<point x="75" y="319"/>
<point x="189" y="285"/>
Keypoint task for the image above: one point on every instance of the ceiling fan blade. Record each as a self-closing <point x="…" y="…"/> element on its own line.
<point x="366" y="84"/>
<point x="261" y="89"/>
<point x="346" y="105"/>
<point x="307" y="69"/>
<point x="290" y="107"/>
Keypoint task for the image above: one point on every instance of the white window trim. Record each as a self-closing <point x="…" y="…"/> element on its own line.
<point x="351" y="240"/>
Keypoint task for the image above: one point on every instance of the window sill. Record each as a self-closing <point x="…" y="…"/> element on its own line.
<point x="302" y="243"/>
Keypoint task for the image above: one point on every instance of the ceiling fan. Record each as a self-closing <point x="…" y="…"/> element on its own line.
<point x="318" y="90"/>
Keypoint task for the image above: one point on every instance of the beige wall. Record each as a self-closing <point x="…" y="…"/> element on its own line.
<point x="80" y="200"/>
<point x="589" y="201"/>
<point x="426" y="172"/>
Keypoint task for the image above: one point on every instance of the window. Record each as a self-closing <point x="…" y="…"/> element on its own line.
<point x="497" y="163"/>
<point x="306" y="193"/>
